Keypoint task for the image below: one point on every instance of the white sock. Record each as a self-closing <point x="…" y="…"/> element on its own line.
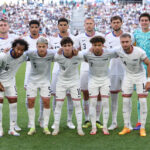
<point x="41" y="109"/>
<point x="105" y="104"/>
<point x="86" y="109"/>
<point x="46" y="115"/>
<point x="69" y="108"/>
<point x="98" y="110"/>
<point x="78" y="112"/>
<point x="93" y="102"/>
<point x="57" y="113"/>
<point x="143" y="111"/>
<point x="1" y="114"/>
<point x="54" y="103"/>
<point x="26" y="102"/>
<point x="126" y="112"/>
<point x="114" y="107"/>
<point x="13" y="115"/>
<point x="31" y="115"/>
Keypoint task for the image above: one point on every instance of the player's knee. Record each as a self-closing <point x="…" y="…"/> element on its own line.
<point x="31" y="102"/>
<point x="99" y="97"/>
<point x="1" y="100"/>
<point x="12" y="100"/>
<point x="46" y="104"/>
<point x="85" y="95"/>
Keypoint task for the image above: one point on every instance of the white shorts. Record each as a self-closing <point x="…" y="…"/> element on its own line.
<point x="45" y="91"/>
<point x="10" y="92"/>
<point x="84" y="80"/>
<point x="53" y="83"/>
<point x="116" y="82"/>
<point x="96" y="86"/>
<point x="62" y="90"/>
<point x="129" y="82"/>
<point x="28" y="68"/>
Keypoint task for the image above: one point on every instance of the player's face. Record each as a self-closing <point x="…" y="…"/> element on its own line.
<point x="34" y="29"/>
<point x="63" y="27"/>
<point x="18" y="50"/>
<point x="97" y="48"/>
<point x="42" y="49"/>
<point x="89" y="25"/>
<point x="144" y="22"/>
<point x="116" y="25"/>
<point x="4" y="27"/>
<point x="126" y="44"/>
<point x="67" y="48"/>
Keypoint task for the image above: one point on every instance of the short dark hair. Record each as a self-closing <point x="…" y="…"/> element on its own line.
<point x="63" y="20"/>
<point x="145" y="15"/>
<point x="34" y="22"/>
<point x="116" y="18"/>
<point x="89" y="18"/>
<point x="66" y="40"/>
<point x="96" y="39"/>
<point x="124" y="35"/>
<point x="21" y="42"/>
<point x="4" y="20"/>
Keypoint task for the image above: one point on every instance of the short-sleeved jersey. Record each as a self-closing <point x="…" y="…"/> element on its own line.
<point x="3" y="61"/>
<point x="7" y="75"/>
<point x="133" y="62"/>
<point x="69" y="71"/>
<point x="83" y="41"/>
<point x="98" y="65"/>
<point x="142" y="40"/>
<point x="40" y="72"/>
<point x="7" y="43"/>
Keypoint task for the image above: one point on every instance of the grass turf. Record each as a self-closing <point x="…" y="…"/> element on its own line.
<point x="68" y="139"/>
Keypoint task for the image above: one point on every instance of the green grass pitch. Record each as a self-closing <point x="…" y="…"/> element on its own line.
<point x="68" y="139"/>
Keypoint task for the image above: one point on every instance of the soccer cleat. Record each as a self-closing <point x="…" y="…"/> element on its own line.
<point x="70" y="125"/>
<point x="86" y="124"/>
<point x="93" y="131"/>
<point x="55" y="132"/>
<point x="142" y="132"/>
<point x="53" y="126"/>
<point x="17" y="128"/>
<point x="31" y="131"/>
<point x="46" y="131"/>
<point x="105" y="131"/>
<point x="138" y="126"/>
<point x="125" y="131"/>
<point x="1" y="133"/>
<point x="13" y="132"/>
<point x="99" y="125"/>
<point x="80" y="132"/>
<point x="113" y="126"/>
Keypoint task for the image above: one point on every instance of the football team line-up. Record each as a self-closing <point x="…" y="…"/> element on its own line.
<point x="110" y="63"/>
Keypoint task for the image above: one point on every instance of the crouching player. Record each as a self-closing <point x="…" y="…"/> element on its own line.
<point x="9" y="64"/>
<point x="68" y="79"/>
<point x="39" y="78"/>
<point x="99" y="81"/>
<point x="133" y="57"/>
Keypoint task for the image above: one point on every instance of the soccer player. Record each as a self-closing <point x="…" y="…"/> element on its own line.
<point x="9" y="66"/>
<point x="132" y="58"/>
<point x="63" y="26"/>
<point x="68" y="79"/>
<point x="39" y="78"/>
<point x="116" y="67"/>
<point x="84" y="43"/>
<point x="142" y="40"/>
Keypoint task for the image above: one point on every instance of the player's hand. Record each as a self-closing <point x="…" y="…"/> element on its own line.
<point x="147" y="86"/>
<point x="1" y="87"/>
<point x="6" y="50"/>
<point x="60" y="51"/>
<point x="75" y="52"/>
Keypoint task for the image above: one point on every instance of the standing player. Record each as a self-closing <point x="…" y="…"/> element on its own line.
<point x="10" y="64"/>
<point x="142" y="39"/>
<point x="133" y="59"/>
<point x="55" y="42"/>
<point x="116" y="67"/>
<point x="84" y="43"/>
<point x="68" y="79"/>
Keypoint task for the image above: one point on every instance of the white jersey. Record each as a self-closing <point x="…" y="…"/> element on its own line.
<point x="7" y="43"/>
<point x="55" y="43"/>
<point x="40" y="72"/>
<point x="7" y="76"/>
<point x="133" y="62"/>
<point x="69" y="71"/>
<point x="113" y="43"/>
<point x="98" y="65"/>
<point x="83" y="41"/>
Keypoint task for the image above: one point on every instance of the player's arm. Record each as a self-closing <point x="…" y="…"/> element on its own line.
<point x="147" y="62"/>
<point x="1" y="87"/>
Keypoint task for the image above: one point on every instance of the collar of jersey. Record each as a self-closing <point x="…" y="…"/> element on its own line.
<point x="11" y="53"/>
<point x="88" y="35"/>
